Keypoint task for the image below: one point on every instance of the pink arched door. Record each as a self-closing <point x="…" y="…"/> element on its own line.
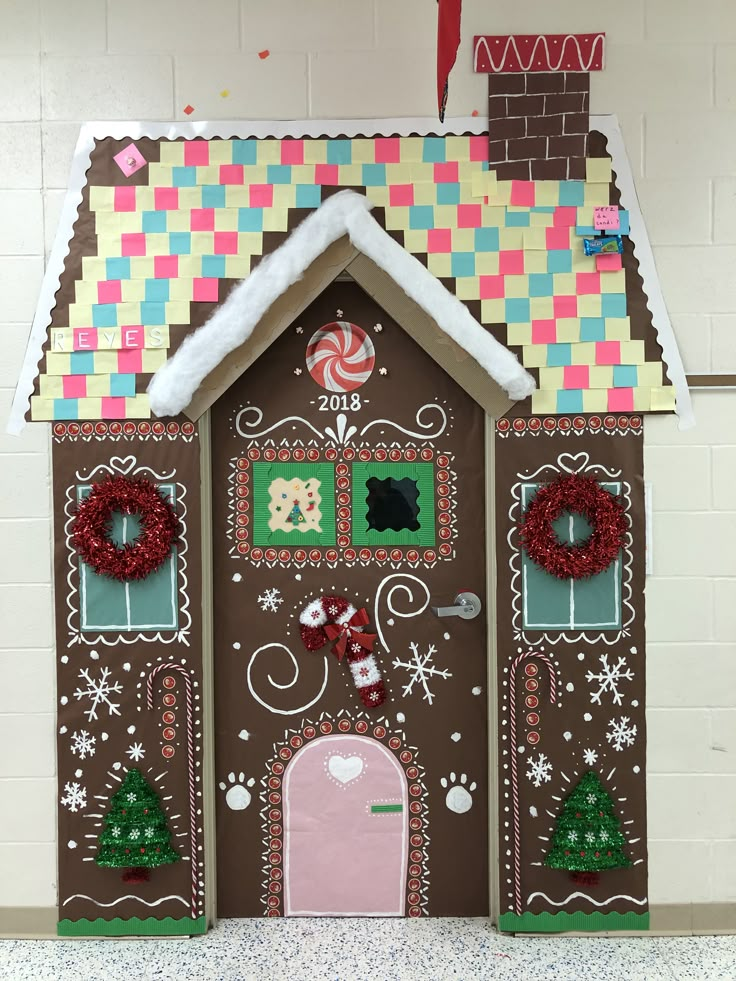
<point x="345" y="830"/>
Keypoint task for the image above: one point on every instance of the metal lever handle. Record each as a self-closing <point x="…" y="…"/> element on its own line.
<point x="467" y="606"/>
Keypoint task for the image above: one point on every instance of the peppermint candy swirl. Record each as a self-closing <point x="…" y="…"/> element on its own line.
<point x="340" y="357"/>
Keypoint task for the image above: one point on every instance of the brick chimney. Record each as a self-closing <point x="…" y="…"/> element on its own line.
<point x="538" y="102"/>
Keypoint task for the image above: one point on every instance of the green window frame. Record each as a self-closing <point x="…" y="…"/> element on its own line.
<point x="423" y="474"/>
<point x="147" y="604"/>
<point x="549" y="603"/>
<point x="263" y="474"/>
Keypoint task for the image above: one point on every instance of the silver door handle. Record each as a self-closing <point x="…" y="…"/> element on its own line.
<point x="467" y="606"/>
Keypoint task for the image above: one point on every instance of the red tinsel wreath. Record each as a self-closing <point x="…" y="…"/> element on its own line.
<point x="92" y="525"/>
<point x="580" y="495"/>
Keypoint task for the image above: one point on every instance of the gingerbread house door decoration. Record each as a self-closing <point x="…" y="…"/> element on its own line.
<point x="349" y="514"/>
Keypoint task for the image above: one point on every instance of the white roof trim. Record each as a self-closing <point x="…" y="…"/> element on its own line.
<point x="403" y="126"/>
<point x="345" y="213"/>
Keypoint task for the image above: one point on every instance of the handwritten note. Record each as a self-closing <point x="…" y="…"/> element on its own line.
<point x="606" y="218"/>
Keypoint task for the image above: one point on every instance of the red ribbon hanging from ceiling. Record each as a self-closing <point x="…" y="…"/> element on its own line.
<point x="448" y="41"/>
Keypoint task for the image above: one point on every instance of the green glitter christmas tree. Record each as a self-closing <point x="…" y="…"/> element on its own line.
<point x="587" y="836"/>
<point x="135" y="836"/>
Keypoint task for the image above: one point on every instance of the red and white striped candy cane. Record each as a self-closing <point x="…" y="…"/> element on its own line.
<point x="171" y="666"/>
<point x="514" y="754"/>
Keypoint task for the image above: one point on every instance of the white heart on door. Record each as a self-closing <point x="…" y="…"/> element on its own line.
<point x="345" y="768"/>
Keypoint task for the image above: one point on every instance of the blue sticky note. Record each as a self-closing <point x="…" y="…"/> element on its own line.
<point x="184" y="176"/>
<point x="592" y="329"/>
<point x="213" y="196"/>
<point x="122" y="386"/>
<point x="625" y="376"/>
<point x="118" y="267"/>
<point x="486" y="240"/>
<point x="339" y="152"/>
<point x="463" y="264"/>
<point x="541" y="284"/>
<point x="613" y="304"/>
<point x="154" y="221"/>
<point x="104" y="315"/>
<point x="559" y="355"/>
<point x="570" y="400"/>
<point x="213" y="266"/>
<point x="517" y="311"/>
<point x="244" y="152"/>
<point x="250" y="219"/>
<point x="421" y="216"/>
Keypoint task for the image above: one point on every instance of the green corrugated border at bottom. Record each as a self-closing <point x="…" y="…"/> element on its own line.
<point x="562" y="921"/>
<point x="134" y="927"/>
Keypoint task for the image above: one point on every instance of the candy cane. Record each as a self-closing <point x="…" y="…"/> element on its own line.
<point x="171" y="666"/>
<point x="514" y="753"/>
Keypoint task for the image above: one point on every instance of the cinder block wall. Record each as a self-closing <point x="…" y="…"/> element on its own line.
<point x="671" y="78"/>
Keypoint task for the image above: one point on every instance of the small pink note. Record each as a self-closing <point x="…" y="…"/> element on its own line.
<point x="606" y="218"/>
<point x="608" y="262"/>
<point x="130" y="160"/>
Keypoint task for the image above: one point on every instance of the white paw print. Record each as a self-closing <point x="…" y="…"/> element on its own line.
<point x="459" y="797"/>
<point x="237" y="796"/>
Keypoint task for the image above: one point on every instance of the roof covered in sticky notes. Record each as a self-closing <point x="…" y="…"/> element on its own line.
<point x="158" y="244"/>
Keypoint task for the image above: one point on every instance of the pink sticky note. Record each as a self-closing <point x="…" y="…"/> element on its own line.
<point x="523" y="193"/>
<point x="130" y="160"/>
<point x="608" y="352"/>
<point x="401" y="195"/>
<point x="110" y="291"/>
<point x="113" y="408"/>
<point x="587" y="284"/>
<point x="202" y="220"/>
<point x="85" y="339"/>
<point x="132" y="337"/>
<point x="620" y="399"/>
<point x="439" y="240"/>
<point x="492" y="288"/>
<point x="292" y="152"/>
<point x="469" y="216"/>
<point x="576" y="376"/>
<point x="74" y="386"/>
<point x="130" y="362"/>
<point x="565" y="306"/>
<point x="166" y="266"/>
<point x="326" y="174"/>
<point x="124" y="198"/>
<point x="196" y="153"/>
<point x="608" y="262"/>
<point x="226" y="243"/>
<point x="606" y="217"/>
<point x="544" y="332"/>
<point x="565" y="217"/>
<point x="206" y="290"/>
<point x="446" y="173"/>
<point x="387" y="150"/>
<point x="511" y="262"/>
<point x="132" y="243"/>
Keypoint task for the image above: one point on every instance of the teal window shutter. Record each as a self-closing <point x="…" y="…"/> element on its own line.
<point x="549" y="603"/>
<point x="146" y="604"/>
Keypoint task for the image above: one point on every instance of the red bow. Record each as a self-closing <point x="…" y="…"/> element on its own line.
<point x="347" y="633"/>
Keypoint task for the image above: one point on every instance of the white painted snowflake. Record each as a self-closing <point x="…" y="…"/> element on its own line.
<point x="572" y="836"/>
<point x="609" y="678"/>
<point x="421" y="668"/>
<point x="622" y="734"/>
<point x="116" y="832"/>
<point x="271" y="600"/>
<point x="297" y="371"/>
<point x="75" y="797"/>
<point x="136" y="752"/>
<point x="590" y="756"/>
<point x="83" y="745"/>
<point x="149" y="832"/>
<point x="338" y="313"/>
<point x="378" y="328"/>
<point x="299" y="330"/>
<point x="98" y="691"/>
<point x="590" y="798"/>
<point x="133" y="833"/>
<point x="589" y="837"/>
<point x="130" y="798"/>
<point x="540" y="770"/>
<point x="383" y="371"/>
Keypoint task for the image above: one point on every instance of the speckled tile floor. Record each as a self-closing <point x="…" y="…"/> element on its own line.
<point x="370" y="950"/>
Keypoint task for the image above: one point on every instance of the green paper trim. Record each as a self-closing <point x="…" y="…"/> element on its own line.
<point x="562" y="921"/>
<point x="263" y="474"/>
<point x="387" y="808"/>
<point x="134" y="927"/>
<point x="423" y="475"/>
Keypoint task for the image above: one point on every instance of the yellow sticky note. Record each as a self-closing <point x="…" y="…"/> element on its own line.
<point x="177" y="312"/>
<point x="598" y="170"/>
<point x="568" y="330"/>
<point x="511" y="239"/>
<point x="600" y="376"/>
<point x="544" y="402"/>
<point x="51" y="386"/>
<point x="534" y="239"/>
<point x="595" y="400"/>
<point x="583" y="353"/>
<point x="519" y="335"/>
<point x="589" y="305"/>
<point x="138" y="406"/>
<point x="457" y="148"/>
<point x="547" y="193"/>
<point x="129" y="314"/>
<point x="534" y="355"/>
<point x="553" y="378"/>
<point x="642" y="399"/>
<point x="493" y="311"/>
<point x="649" y="375"/>
<point x="440" y="264"/>
<point x="618" y="329"/>
<point x="487" y="263"/>
<point x="632" y="352"/>
<point x="535" y="261"/>
<point x="42" y="410"/>
<point x="467" y="288"/>
<point x="542" y="308"/>
<point x="89" y="408"/>
<point x="516" y="287"/>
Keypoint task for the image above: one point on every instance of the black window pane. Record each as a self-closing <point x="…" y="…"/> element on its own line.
<point x="392" y="504"/>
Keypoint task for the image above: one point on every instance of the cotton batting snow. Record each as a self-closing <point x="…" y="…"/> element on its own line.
<point x="174" y="384"/>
